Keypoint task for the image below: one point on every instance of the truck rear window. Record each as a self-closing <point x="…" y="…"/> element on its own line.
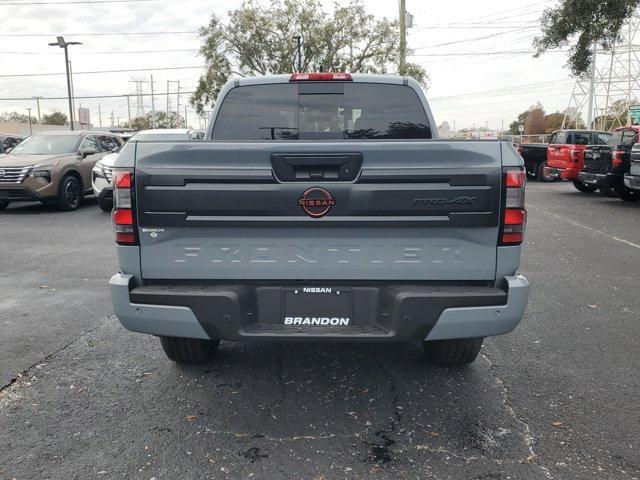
<point x="321" y="111"/>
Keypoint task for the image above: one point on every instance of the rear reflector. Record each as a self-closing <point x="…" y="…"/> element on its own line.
<point x="320" y="77"/>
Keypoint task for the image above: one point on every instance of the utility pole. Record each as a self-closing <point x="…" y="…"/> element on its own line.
<point x="178" y="104"/>
<point x="168" y="113"/>
<point x="128" y="108"/>
<point x="37" y="99"/>
<point x="298" y="39"/>
<point x="403" y="37"/>
<point x="62" y="44"/>
<point x="113" y="123"/>
<point x="629" y="122"/>
<point x="186" y="123"/>
<point x="592" y="87"/>
<point x="153" y="106"/>
<point x="29" y="114"/>
<point x="99" y="115"/>
<point x="454" y="126"/>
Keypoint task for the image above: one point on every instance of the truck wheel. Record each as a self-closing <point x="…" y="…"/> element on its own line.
<point x="189" y="350"/>
<point x="607" y="191"/>
<point x="540" y="176"/>
<point x="105" y="204"/>
<point x="4" y="204"/>
<point x="70" y="193"/>
<point x="584" y="187"/>
<point x="627" y="194"/>
<point x="452" y="353"/>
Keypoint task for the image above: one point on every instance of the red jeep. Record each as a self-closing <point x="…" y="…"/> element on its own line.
<point x="565" y="154"/>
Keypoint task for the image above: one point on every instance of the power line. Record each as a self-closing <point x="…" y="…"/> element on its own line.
<point x="96" y="34"/>
<point x="473" y="54"/>
<point x="75" y="2"/>
<point x="520" y="29"/>
<point x="88" y="97"/>
<point x="125" y="70"/>
<point x="112" y="52"/>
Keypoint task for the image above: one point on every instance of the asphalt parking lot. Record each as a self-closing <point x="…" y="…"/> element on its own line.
<point x="558" y="398"/>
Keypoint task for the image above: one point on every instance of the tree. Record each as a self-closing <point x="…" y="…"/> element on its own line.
<point x="16" y="117"/>
<point x="553" y="122"/>
<point x="534" y="122"/>
<point x="54" y="118"/>
<point x="514" y="127"/>
<point x="162" y="121"/>
<point x="259" y="40"/>
<point x="581" y="23"/>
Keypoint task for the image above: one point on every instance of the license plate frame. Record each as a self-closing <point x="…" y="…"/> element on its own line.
<point x="317" y="306"/>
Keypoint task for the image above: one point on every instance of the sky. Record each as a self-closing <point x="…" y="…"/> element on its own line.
<point x="478" y="54"/>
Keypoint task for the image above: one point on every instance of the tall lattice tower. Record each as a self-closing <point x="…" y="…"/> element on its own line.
<point x="616" y="85"/>
<point x="139" y="95"/>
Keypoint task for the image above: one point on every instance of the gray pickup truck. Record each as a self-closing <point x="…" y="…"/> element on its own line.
<point x="320" y="207"/>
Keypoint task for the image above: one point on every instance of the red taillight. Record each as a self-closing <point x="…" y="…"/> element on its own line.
<point x="122" y="179"/>
<point x="574" y="155"/>
<point x="515" y="215"/>
<point x="515" y="178"/>
<point x="616" y="157"/>
<point x="320" y="77"/>
<point x="124" y="218"/>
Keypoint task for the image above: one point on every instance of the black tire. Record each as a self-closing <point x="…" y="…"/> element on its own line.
<point x="584" y="188"/>
<point x="607" y="191"/>
<point x="627" y="194"/>
<point x="189" y="350"/>
<point x="452" y="353"/>
<point x="70" y="193"/>
<point x="540" y="176"/>
<point x="105" y="204"/>
<point x="4" y="204"/>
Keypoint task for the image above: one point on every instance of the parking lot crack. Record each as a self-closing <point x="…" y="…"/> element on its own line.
<point x="528" y="437"/>
<point x="48" y="357"/>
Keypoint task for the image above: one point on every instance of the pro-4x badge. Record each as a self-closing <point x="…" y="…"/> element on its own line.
<point x="316" y="202"/>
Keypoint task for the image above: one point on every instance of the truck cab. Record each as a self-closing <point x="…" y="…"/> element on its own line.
<point x="605" y="166"/>
<point x="565" y="154"/>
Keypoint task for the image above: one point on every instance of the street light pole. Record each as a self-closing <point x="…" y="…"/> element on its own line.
<point x="29" y="114"/>
<point x="37" y="99"/>
<point x="62" y="44"/>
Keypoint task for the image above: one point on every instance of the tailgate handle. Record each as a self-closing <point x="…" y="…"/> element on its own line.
<point x="342" y="167"/>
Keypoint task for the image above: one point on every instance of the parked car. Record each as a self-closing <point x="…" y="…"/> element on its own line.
<point x="53" y="167"/>
<point x="8" y="141"/>
<point x="293" y="221"/>
<point x="606" y="165"/>
<point x="535" y="159"/>
<point x="102" y="171"/>
<point x="565" y="154"/>
<point x="632" y="179"/>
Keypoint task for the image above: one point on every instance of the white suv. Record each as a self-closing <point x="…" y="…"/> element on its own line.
<point x="102" y="171"/>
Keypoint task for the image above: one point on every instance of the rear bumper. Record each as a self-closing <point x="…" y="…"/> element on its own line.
<point x="390" y="312"/>
<point x="601" y="179"/>
<point x="632" y="181"/>
<point x="561" y="173"/>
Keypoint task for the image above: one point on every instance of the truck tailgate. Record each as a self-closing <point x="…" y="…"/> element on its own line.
<point x="413" y="210"/>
